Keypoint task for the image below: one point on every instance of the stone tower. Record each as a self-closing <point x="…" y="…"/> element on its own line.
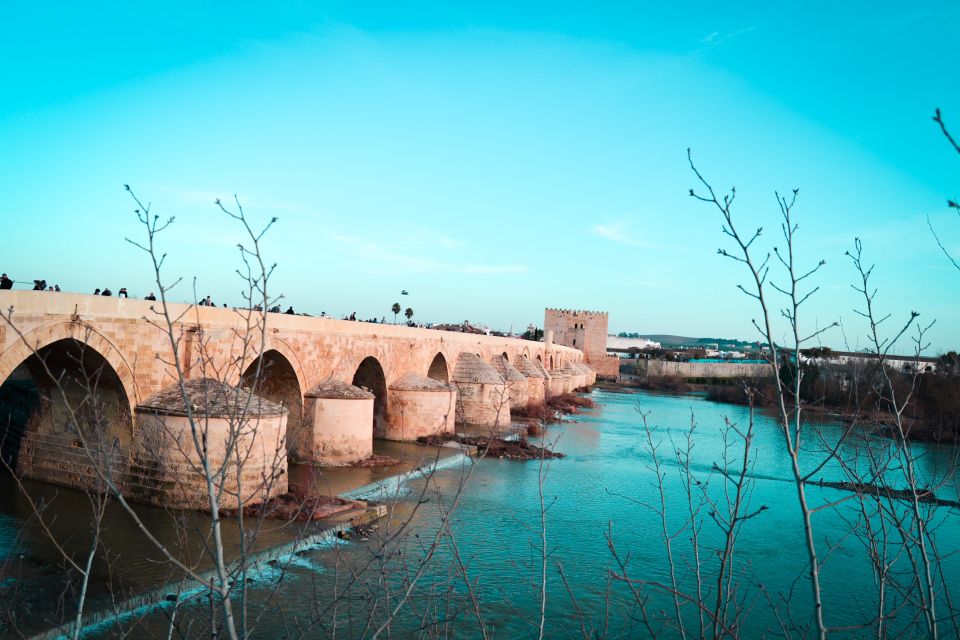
<point x="586" y="331"/>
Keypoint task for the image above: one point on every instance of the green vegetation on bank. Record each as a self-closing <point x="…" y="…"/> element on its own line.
<point x="854" y="391"/>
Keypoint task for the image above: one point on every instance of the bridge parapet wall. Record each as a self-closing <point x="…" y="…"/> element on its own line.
<point x="318" y="348"/>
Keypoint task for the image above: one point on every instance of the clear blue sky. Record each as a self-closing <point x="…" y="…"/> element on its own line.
<point x="491" y="159"/>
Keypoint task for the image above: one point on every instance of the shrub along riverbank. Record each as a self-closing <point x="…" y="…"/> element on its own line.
<point x="851" y="392"/>
<point x="554" y="408"/>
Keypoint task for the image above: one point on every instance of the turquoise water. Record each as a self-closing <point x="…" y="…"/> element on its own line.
<point x="602" y="498"/>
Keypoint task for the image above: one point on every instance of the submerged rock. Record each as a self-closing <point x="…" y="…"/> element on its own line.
<point x="376" y="460"/>
<point x="496" y="447"/>
<point x="302" y="509"/>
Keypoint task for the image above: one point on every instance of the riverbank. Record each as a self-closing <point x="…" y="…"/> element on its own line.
<point x="732" y="392"/>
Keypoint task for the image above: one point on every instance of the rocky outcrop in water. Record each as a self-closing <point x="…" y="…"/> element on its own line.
<point x="496" y="447"/>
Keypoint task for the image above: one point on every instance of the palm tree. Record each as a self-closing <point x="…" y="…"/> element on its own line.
<point x="408" y="313"/>
<point x="396" y="309"/>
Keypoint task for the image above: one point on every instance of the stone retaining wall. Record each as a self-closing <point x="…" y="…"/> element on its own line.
<point x="662" y="368"/>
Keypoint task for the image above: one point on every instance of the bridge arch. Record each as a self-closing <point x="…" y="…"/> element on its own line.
<point x="291" y="356"/>
<point x="369" y="375"/>
<point x="439" y="369"/>
<point x="47" y="335"/>
<point x="68" y="393"/>
<point x="277" y="380"/>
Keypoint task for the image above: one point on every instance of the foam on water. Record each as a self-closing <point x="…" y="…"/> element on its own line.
<point x="104" y="623"/>
<point x="266" y="568"/>
<point x="397" y="485"/>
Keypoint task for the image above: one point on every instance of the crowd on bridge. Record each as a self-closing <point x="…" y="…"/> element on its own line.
<point x="6" y="282"/>
<point x="38" y="285"/>
<point x="41" y="285"/>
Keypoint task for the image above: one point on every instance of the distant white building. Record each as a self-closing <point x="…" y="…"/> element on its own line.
<point x="616" y="342"/>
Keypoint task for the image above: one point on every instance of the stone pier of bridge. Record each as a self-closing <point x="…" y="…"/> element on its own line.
<point x="91" y="386"/>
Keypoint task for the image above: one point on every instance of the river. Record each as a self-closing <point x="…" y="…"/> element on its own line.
<point x="602" y="498"/>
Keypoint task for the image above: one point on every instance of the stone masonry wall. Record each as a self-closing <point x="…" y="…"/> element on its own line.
<point x="317" y="348"/>
<point x="660" y="368"/>
<point x="607" y="367"/>
<point x="583" y="330"/>
<point x="224" y="343"/>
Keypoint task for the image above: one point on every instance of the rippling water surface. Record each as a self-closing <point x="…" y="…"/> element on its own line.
<point x="603" y="494"/>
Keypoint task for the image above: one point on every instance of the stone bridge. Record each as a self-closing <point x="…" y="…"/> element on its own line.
<point x="330" y="387"/>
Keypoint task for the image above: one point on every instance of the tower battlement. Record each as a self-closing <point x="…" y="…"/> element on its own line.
<point x="577" y="312"/>
<point x="584" y="330"/>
